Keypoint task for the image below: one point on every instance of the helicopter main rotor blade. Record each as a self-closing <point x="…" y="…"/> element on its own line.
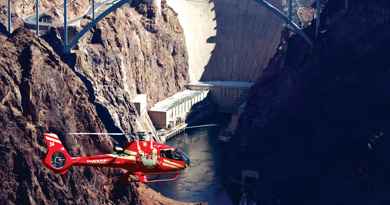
<point x="95" y="133"/>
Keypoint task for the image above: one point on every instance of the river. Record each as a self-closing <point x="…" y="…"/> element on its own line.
<point x="202" y="181"/>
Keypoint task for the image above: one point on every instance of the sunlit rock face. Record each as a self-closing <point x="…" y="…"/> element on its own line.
<point x="38" y="91"/>
<point x="131" y="51"/>
<point x="316" y="122"/>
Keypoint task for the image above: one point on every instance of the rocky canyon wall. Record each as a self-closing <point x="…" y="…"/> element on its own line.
<point x="316" y="122"/>
<point x="131" y="52"/>
<point x="38" y="91"/>
<point x="90" y="90"/>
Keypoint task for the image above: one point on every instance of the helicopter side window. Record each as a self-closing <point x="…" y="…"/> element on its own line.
<point x="171" y="154"/>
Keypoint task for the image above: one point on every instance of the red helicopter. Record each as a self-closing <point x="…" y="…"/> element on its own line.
<point x="141" y="158"/>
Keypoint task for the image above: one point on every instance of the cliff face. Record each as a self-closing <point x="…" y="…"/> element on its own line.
<point x="316" y="122"/>
<point x="131" y="53"/>
<point x="37" y="89"/>
<point x="90" y="90"/>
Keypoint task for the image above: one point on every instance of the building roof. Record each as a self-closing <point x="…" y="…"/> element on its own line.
<point x="176" y="99"/>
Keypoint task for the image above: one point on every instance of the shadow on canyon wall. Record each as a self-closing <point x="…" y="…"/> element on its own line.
<point x="316" y="122"/>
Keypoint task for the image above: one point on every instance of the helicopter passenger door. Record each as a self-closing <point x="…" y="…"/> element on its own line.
<point x="149" y="161"/>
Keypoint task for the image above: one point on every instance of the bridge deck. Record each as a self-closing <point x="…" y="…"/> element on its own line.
<point x="205" y="34"/>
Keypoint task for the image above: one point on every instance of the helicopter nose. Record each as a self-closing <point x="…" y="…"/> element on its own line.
<point x="186" y="159"/>
<point x="188" y="162"/>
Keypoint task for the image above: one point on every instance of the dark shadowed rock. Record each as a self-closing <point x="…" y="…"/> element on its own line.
<point x="316" y="123"/>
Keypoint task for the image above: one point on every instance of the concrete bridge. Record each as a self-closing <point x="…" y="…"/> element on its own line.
<point x="229" y="42"/>
<point x="97" y="10"/>
<point x="188" y="10"/>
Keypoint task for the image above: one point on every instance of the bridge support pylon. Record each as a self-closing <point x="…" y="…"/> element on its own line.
<point x="37" y="16"/>
<point x="318" y="14"/>
<point x="9" y="17"/>
<point x="93" y="10"/>
<point x="66" y="26"/>
<point x="290" y="9"/>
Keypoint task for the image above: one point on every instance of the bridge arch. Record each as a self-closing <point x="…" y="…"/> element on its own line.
<point x="286" y="19"/>
<point x="116" y="4"/>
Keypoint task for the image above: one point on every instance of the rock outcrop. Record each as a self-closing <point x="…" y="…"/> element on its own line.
<point x="316" y="122"/>
<point x="133" y="52"/>
<point x="39" y="92"/>
<point x="90" y="90"/>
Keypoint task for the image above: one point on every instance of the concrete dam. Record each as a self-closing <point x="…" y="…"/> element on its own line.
<point x="229" y="43"/>
<point x="228" y="40"/>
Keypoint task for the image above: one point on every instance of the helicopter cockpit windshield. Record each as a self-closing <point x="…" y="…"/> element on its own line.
<point x="175" y="154"/>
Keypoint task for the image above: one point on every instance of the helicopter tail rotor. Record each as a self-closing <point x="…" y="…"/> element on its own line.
<point x="57" y="157"/>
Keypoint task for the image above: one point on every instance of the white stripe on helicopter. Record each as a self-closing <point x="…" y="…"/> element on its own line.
<point x="169" y="165"/>
<point x="52" y="135"/>
<point x="53" y="140"/>
<point x="172" y="163"/>
<point x="122" y="157"/>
